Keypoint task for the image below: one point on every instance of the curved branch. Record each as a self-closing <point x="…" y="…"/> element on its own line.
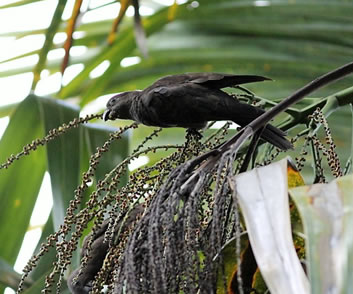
<point x="300" y="94"/>
<point x="237" y="141"/>
<point x="263" y="119"/>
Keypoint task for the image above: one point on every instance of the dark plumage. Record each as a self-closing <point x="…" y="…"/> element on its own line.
<point x="190" y="101"/>
<point x="98" y="252"/>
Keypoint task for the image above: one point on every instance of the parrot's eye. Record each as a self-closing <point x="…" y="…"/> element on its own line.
<point x="112" y="101"/>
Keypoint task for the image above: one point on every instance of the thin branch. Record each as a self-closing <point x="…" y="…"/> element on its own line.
<point x="300" y="94"/>
<point x="263" y="119"/>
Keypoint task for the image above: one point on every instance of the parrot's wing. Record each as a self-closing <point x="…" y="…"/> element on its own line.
<point x="184" y="105"/>
<point x="209" y="80"/>
<point x="191" y="104"/>
<point x="219" y="81"/>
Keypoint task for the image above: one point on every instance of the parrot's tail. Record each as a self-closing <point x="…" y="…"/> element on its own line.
<point x="244" y="113"/>
<point x="276" y="137"/>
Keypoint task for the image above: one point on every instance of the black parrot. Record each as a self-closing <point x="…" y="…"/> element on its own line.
<point x="190" y="101"/>
<point x="98" y="252"/>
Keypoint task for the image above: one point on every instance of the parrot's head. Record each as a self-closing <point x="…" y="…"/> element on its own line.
<point x="119" y="106"/>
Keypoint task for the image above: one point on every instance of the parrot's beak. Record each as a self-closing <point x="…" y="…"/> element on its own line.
<point x="106" y="115"/>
